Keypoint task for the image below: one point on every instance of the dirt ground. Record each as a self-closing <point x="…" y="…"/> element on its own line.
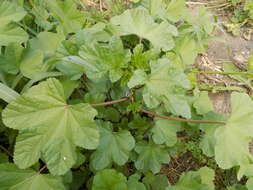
<point x="229" y="48"/>
<point x="234" y="49"/>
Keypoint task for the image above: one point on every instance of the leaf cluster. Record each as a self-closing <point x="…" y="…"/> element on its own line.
<point x="59" y="63"/>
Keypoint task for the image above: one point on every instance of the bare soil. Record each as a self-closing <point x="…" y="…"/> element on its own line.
<point x="234" y="49"/>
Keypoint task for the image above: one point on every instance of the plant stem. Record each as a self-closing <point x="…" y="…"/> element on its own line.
<point x="219" y="6"/>
<point x="157" y="115"/>
<point x="223" y="73"/>
<point x="180" y="119"/>
<point x="16" y="80"/>
<point x="43" y="168"/>
<point x="27" y="28"/>
<point x="2" y="78"/>
<point x="6" y="151"/>
<point x="110" y="102"/>
<point x="221" y="88"/>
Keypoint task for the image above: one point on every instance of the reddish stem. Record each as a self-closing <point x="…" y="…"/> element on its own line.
<point x="6" y="151"/>
<point x="180" y="119"/>
<point x="110" y="102"/>
<point x="157" y="115"/>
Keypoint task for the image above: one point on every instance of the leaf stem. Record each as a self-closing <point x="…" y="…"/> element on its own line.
<point x="16" y="80"/>
<point x="43" y="168"/>
<point x="110" y="102"/>
<point x="3" y="78"/>
<point x="6" y="151"/>
<point x="27" y="28"/>
<point x="157" y="115"/>
<point x="223" y="73"/>
<point x="180" y="119"/>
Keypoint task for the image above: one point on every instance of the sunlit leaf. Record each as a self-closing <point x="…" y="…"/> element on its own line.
<point x="151" y="157"/>
<point x="109" y="179"/>
<point x="13" y="178"/>
<point x="232" y="140"/>
<point x="138" y="21"/>
<point x="114" y="147"/>
<point x="41" y="135"/>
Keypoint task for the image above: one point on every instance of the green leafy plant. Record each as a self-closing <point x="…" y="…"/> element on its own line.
<point x="99" y="101"/>
<point x="242" y="15"/>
